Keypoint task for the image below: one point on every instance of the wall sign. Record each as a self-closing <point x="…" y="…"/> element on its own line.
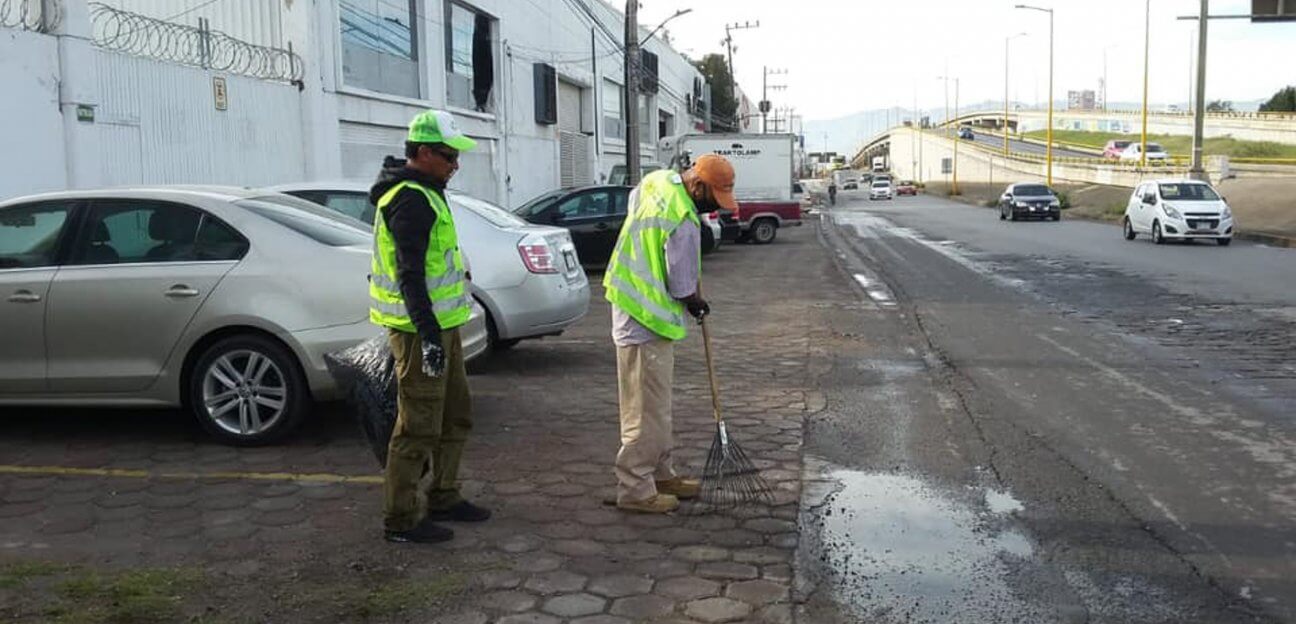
<point x="220" y="93"/>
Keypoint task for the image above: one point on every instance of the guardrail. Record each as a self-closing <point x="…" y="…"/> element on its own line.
<point x="141" y="35"/>
<point x="1261" y="115"/>
<point x="34" y="15"/>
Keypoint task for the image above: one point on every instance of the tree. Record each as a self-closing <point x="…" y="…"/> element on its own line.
<point x="1220" y="106"/>
<point x="1284" y="101"/>
<point x="723" y="108"/>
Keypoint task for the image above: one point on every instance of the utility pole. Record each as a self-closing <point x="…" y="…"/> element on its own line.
<point x="1199" y="111"/>
<point x="765" y="87"/>
<point x="632" y="91"/>
<point x="733" y="78"/>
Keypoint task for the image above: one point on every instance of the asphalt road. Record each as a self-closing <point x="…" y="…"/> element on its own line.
<point x="1043" y="422"/>
<point x="1016" y="145"/>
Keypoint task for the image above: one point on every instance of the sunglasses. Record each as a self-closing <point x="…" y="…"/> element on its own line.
<point x="450" y="157"/>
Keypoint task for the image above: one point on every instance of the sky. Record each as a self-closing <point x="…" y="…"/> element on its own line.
<point x="844" y="56"/>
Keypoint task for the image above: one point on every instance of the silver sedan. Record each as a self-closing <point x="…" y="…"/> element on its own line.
<point x="527" y="276"/>
<point x="223" y="300"/>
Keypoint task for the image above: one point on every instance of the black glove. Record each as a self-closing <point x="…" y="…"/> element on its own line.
<point x="434" y="358"/>
<point x="698" y="307"/>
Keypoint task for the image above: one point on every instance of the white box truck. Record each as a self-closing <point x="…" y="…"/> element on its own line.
<point x="763" y="172"/>
<point x="879" y="164"/>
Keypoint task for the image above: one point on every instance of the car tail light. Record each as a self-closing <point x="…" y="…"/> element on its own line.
<point x="538" y="255"/>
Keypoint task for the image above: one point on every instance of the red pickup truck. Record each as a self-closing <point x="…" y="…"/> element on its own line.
<point x="761" y="220"/>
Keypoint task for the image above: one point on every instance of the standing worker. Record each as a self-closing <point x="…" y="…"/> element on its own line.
<point x="418" y="291"/>
<point x="651" y="280"/>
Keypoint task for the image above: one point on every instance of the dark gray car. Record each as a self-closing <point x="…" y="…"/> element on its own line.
<point x="1029" y="200"/>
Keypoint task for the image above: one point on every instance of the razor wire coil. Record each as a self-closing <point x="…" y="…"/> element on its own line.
<point x="33" y="15"/>
<point x="197" y="46"/>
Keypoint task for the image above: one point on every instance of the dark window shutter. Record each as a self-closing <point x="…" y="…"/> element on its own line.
<point x="546" y="94"/>
<point x="647" y="72"/>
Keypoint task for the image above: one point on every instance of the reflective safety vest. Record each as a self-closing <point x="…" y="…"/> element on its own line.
<point x="635" y="279"/>
<point x="443" y="268"/>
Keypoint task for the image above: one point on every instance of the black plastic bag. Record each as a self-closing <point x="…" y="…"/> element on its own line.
<point x="366" y="373"/>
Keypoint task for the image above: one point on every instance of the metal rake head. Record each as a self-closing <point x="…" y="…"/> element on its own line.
<point x="730" y="479"/>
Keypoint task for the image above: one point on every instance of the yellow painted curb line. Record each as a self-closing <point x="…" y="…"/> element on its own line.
<point x="64" y="471"/>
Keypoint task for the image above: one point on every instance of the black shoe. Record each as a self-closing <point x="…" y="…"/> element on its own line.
<point x="464" y="511"/>
<point x="425" y="533"/>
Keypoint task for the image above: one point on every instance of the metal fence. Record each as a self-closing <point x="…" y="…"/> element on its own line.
<point x="34" y="15"/>
<point x="200" y="46"/>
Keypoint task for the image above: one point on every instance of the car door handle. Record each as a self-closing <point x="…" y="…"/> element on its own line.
<point x="24" y="296"/>
<point x="600" y="226"/>
<point x="181" y="291"/>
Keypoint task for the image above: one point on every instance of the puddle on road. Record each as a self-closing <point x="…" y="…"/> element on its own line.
<point x="893" y="548"/>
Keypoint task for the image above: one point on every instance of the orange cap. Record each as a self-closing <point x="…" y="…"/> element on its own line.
<point x="718" y="175"/>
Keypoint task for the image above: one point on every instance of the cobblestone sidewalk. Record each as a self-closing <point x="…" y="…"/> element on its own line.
<point x="540" y="456"/>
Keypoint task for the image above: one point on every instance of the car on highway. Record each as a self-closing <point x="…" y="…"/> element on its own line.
<point x="851" y="185"/>
<point x="221" y="300"/>
<point x="966" y="134"/>
<point x="1184" y="210"/>
<point x="527" y="277"/>
<point x="594" y="215"/>
<point x="905" y="187"/>
<point x="1156" y="154"/>
<point x="1114" y="149"/>
<point x="881" y="189"/>
<point x="1029" y="200"/>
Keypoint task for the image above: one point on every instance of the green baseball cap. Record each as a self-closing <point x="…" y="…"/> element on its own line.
<point x="434" y="126"/>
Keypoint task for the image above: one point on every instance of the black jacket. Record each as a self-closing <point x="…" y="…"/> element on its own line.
<point x="410" y="218"/>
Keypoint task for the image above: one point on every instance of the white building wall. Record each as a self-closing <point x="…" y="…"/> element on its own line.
<point x="32" y="156"/>
<point x="156" y="121"/>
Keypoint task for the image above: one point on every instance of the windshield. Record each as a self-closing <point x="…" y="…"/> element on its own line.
<point x="488" y="211"/>
<point x="319" y="224"/>
<point x="1120" y="144"/>
<point x="537" y="204"/>
<point x="1032" y="190"/>
<point x="1188" y="192"/>
<point x="1155" y="147"/>
<point x="881" y="184"/>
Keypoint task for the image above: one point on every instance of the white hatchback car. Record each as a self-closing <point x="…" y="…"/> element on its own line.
<point x="1178" y="210"/>
<point x="881" y="189"/>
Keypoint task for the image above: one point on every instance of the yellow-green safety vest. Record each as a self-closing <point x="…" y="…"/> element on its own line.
<point x="635" y="280"/>
<point x="443" y="267"/>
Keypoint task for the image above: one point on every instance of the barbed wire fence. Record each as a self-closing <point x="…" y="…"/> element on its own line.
<point x="33" y="15"/>
<point x="200" y="46"/>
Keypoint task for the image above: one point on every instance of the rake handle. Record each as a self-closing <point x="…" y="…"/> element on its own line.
<point x="710" y="365"/>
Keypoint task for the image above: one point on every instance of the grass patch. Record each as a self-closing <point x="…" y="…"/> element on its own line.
<point x="1176" y="144"/>
<point x="143" y="596"/>
<point x="406" y="594"/>
<point x="17" y="574"/>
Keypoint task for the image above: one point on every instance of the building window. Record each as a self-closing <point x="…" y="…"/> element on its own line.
<point x="470" y="57"/>
<point x="380" y="46"/>
<point x="613" y="118"/>
<point x="646" y="126"/>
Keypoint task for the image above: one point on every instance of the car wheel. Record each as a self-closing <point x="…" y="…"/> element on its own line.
<point x="493" y="340"/>
<point x="708" y="240"/>
<point x="1002" y="216"/>
<point x="1129" y="230"/>
<point x="1057" y="217"/>
<point x="763" y="231"/>
<point x="248" y="390"/>
<point x="1012" y="214"/>
<point x="1157" y="237"/>
<point x="1223" y="242"/>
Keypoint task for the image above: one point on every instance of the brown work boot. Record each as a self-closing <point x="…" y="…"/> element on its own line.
<point x="658" y="504"/>
<point x="682" y="488"/>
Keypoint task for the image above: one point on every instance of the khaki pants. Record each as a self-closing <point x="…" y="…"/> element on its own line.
<point x="434" y="416"/>
<point x="644" y="376"/>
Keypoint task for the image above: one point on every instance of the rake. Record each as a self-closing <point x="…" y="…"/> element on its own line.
<point x="730" y="479"/>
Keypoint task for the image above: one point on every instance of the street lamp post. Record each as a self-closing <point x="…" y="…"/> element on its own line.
<point x="1049" y="155"/>
<point x="1147" y="47"/>
<point x="1005" y="121"/>
<point x="954" y="169"/>
<point x="663" y="23"/>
